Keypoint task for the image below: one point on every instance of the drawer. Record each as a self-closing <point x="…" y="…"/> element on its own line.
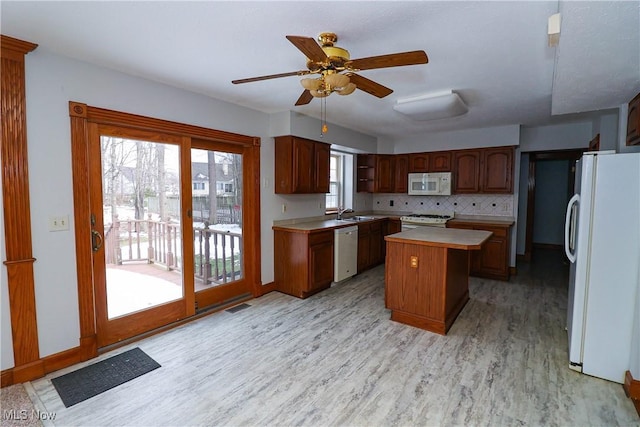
<point x="497" y="231"/>
<point x="322" y="237"/>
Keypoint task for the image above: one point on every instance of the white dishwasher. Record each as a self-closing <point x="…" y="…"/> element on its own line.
<point x="346" y="253"/>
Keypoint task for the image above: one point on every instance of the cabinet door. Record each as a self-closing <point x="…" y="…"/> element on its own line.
<point x="497" y="170"/>
<point x="322" y="155"/>
<point x="466" y="176"/>
<point x="376" y="255"/>
<point x="633" y="121"/>
<point x="491" y="257"/>
<point x="303" y="161"/>
<point x="402" y="170"/>
<point x="363" y="247"/>
<point x="384" y="173"/>
<point x="393" y="226"/>
<point x="321" y="261"/>
<point x="419" y="162"/>
<point x="440" y="161"/>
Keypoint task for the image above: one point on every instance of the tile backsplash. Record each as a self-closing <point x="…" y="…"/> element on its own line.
<point x="465" y="204"/>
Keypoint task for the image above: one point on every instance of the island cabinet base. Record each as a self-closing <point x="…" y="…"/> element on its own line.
<point x="426" y="286"/>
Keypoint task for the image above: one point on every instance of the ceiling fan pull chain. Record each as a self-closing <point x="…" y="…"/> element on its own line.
<point x="323" y="116"/>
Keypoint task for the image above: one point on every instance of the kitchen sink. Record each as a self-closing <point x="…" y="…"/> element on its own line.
<point x="357" y="218"/>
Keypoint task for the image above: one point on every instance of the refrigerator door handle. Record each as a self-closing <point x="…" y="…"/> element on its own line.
<point x="570" y="223"/>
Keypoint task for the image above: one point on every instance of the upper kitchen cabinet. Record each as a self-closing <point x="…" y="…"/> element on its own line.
<point x="440" y="161"/>
<point x="466" y="176"/>
<point x="301" y="165"/>
<point x="436" y="161"/>
<point x="366" y="169"/>
<point x="322" y="155"/>
<point x="418" y="162"/>
<point x="385" y="173"/>
<point x="497" y="170"/>
<point x="633" y="122"/>
<point x="488" y="170"/>
<point x="401" y="181"/>
<point x="376" y="173"/>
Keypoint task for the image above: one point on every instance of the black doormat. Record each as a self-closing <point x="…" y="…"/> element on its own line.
<point x="92" y="380"/>
<point x="238" y="308"/>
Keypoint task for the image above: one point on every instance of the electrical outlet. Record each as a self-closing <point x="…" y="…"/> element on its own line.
<point x="284" y="207"/>
<point x="59" y="223"/>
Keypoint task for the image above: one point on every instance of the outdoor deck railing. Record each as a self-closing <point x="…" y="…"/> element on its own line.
<point x="217" y="254"/>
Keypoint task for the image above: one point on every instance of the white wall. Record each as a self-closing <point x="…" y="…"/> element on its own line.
<point x="6" y="355"/>
<point x="634" y="358"/>
<point x="556" y="137"/>
<point x="457" y="140"/>
<point x="607" y="126"/>
<point x="309" y="127"/>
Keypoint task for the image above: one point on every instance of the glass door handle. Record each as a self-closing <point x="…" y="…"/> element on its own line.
<point x="96" y="240"/>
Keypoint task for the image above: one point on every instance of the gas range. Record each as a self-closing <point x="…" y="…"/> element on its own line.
<point x="437" y="219"/>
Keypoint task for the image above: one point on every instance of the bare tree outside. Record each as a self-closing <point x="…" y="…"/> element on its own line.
<point x="160" y="190"/>
<point x="213" y="199"/>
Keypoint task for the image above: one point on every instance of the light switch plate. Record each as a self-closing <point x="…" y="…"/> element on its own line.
<point x="59" y="223"/>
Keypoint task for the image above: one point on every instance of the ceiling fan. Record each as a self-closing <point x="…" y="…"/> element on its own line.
<point x="337" y="71"/>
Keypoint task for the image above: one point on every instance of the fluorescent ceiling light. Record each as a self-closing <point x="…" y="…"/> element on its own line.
<point x="432" y="106"/>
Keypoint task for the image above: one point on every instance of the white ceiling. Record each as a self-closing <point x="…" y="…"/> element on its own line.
<point x="494" y="54"/>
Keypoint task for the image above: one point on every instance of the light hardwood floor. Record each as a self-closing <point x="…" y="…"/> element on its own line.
<point x="337" y="359"/>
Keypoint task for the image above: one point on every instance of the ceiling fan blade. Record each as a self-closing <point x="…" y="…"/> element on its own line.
<point x="391" y="60"/>
<point x="271" y="76"/>
<point x="369" y="86"/>
<point x="305" y="98"/>
<point x="309" y="47"/>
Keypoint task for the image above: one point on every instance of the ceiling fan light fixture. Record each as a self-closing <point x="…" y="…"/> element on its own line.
<point x="311" y="84"/>
<point x="337" y="80"/>
<point x="319" y="93"/>
<point x="348" y="89"/>
<point x="434" y="106"/>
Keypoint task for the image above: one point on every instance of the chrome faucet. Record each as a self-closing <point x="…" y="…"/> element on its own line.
<point x="342" y="210"/>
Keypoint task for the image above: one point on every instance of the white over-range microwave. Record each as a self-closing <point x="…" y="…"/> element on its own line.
<point x="430" y="184"/>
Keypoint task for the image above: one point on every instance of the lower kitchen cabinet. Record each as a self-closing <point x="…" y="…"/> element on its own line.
<point x="492" y="261"/>
<point x="305" y="261"/>
<point x="393" y="226"/>
<point x="370" y="244"/>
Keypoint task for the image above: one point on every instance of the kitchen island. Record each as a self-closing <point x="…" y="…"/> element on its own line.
<point x="427" y="275"/>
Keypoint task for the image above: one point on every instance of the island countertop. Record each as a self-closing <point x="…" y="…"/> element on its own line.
<point x="442" y="237"/>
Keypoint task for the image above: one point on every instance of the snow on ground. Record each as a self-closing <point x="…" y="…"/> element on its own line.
<point x="128" y="292"/>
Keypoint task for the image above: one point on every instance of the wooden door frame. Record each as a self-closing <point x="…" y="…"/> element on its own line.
<point x="534" y="157"/>
<point x="81" y="115"/>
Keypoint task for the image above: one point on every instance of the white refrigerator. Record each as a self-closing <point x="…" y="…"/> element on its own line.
<point x="602" y="241"/>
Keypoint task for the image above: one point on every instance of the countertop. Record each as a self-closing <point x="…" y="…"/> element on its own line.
<point x="484" y="219"/>
<point x="319" y="224"/>
<point x="327" y="224"/>
<point x="441" y="237"/>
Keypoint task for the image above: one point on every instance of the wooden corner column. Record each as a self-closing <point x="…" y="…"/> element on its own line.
<point x="17" y="218"/>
